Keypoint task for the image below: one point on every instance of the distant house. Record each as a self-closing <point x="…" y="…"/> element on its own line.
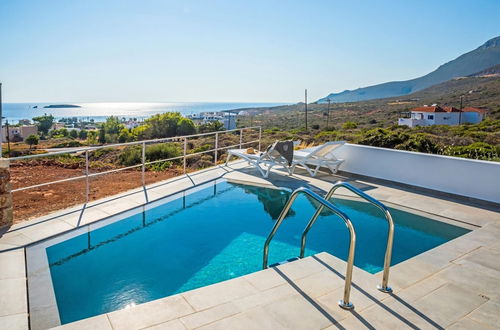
<point x="436" y="115"/>
<point x="18" y="133"/>
<point x="228" y="119"/>
<point x="24" y="122"/>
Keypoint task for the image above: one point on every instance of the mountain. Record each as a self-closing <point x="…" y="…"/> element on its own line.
<point x="481" y="58"/>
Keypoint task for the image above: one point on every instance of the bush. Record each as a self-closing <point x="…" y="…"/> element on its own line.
<point x="68" y="144"/>
<point x="419" y="142"/>
<point x="59" y="133"/>
<point x="133" y="155"/>
<point x="32" y="140"/>
<point x="82" y="134"/>
<point x="73" y="134"/>
<point x="380" y="137"/>
<point x="349" y="125"/>
<point x="478" y="150"/>
<point x="326" y="136"/>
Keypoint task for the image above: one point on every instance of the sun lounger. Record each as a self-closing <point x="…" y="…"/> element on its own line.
<point x="264" y="161"/>
<point x="315" y="158"/>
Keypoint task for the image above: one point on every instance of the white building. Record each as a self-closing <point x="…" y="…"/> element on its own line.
<point x="228" y="119"/>
<point x="18" y="133"/>
<point x="436" y="115"/>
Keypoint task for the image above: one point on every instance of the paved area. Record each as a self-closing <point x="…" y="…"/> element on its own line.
<point x="455" y="285"/>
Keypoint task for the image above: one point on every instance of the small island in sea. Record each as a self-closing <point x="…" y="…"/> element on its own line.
<point x="62" y="106"/>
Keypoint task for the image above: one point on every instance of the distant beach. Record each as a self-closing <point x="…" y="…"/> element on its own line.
<point x="14" y="112"/>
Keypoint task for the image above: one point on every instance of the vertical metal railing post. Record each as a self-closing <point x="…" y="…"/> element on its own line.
<point x="241" y="137"/>
<point x="184" y="157"/>
<point x="216" y="146"/>
<point x="87" y="184"/>
<point x="144" y="164"/>
<point x="260" y="135"/>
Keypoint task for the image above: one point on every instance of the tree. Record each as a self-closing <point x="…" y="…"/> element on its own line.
<point x="32" y="140"/>
<point x="102" y="135"/>
<point x="112" y="125"/>
<point x="162" y="125"/>
<point x="92" y="137"/>
<point x="212" y="126"/>
<point x="73" y="133"/>
<point x="125" y="136"/>
<point x="44" y="123"/>
<point x="185" y="126"/>
<point x="82" y="134"/>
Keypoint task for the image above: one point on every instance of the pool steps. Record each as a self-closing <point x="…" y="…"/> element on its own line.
<point x="324" y="202"/>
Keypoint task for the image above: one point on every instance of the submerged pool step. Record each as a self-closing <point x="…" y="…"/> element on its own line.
<point x="284" y="262"/>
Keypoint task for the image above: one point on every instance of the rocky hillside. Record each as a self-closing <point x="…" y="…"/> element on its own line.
<point x="484" y="57"/>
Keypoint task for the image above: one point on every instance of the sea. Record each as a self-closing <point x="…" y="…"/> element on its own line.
<point x="13" y="112"/>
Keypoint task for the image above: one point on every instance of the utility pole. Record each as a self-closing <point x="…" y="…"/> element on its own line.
<point x="8" y="136"/>
<point x="328" y="117"/>
<point x="461" y="107"/>
<point x="305" y="103"/>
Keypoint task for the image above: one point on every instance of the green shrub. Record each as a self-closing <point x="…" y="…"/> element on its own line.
<point x="349" y="125"/>
<point x="380" y="137"/>
<point x="326" y="136"/>
<point x="67" y="144"/>
<point x="478" y="150"/>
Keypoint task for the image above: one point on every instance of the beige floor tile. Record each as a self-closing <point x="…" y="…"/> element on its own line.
<point x="265" y="279"/>
<point x="210" y="315"/>
<point x="482" y="280"/>
<point x="12" y="264"/>
<point x="308" y="266"/>
<point x="13" y="298"/>
<point x="265" y="297"/>
<point x="14" y="238"/>
<point x="321" y="283"/>
<point x="468" y="324"/>
<point x="254" y="319"/>
<point x="488" y="314"/>
<point x="219" y="293"/>
<point x="46" y="229"/>
<point x="92" y="323"/>
<point x="295" y="312"/>
<point x="14" y="322"/>
<point x="448" y="304"/>
<point x="170" y="325"/>
<point x="484" y="257"/>
<point x="151" y="313"/>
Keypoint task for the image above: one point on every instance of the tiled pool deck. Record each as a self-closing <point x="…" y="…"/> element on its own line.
<point x="456" y="285"/>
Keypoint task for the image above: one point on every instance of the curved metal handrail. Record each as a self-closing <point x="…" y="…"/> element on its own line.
<point x="352" y="235"/>
<point x="390" y="236"/>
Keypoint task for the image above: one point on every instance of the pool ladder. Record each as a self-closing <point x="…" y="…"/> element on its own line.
<point x="324" y="202"/>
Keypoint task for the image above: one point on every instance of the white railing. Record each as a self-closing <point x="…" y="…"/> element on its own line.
<point x="183" y="139"/>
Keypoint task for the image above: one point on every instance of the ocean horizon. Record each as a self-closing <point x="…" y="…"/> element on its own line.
<point x="98" y="111"/>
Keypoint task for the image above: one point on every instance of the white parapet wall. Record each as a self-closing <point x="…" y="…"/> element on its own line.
<point x="466" y="177"/>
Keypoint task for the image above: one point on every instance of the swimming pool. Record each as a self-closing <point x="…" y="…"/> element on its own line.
<point x="209" y="234"/>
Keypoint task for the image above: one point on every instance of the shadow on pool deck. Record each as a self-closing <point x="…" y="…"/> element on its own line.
<point x="337" y="323"/>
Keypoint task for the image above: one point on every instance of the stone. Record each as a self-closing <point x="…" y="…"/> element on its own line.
<point x="6" y="216"/>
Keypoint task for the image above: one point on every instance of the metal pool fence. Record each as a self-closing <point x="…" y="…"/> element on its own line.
<point x="143" y="163"/>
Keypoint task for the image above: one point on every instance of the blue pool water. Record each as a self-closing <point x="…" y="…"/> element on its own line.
<point x="212" y="235"/>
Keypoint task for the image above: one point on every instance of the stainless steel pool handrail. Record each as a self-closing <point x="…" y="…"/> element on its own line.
<point x="390" y="235"/>
<point x="345" y="303"/>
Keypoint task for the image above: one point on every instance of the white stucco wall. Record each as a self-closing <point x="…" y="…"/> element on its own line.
<point x="471" y="178"/>
<point x="472" y="117"/>
<point x="446" y="118"/>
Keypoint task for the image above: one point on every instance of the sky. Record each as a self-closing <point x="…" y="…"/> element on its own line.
<point x="227" y="50"/>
